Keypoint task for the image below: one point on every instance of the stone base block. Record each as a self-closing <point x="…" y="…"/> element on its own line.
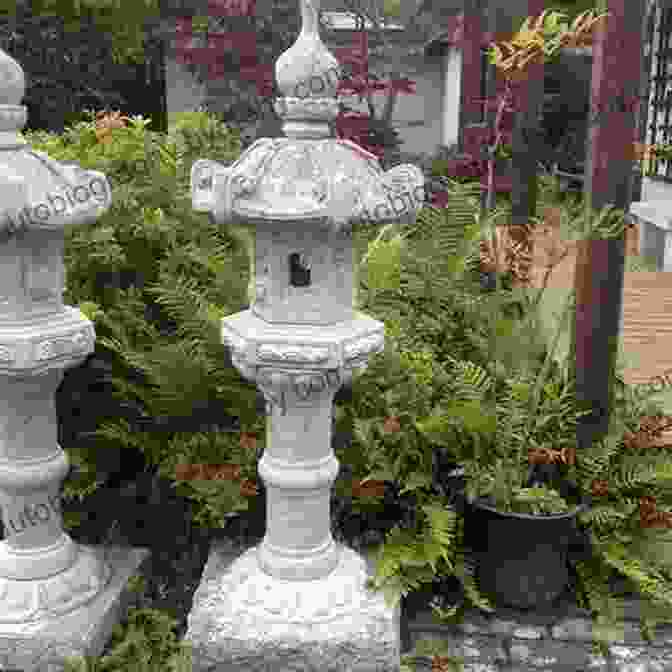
<point x="654" y="220"/>
<point x="244" y="620"/>
<point x="42" y="645"/>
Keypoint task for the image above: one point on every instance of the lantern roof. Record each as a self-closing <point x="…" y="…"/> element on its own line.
<point x="308" y="174"/>
<point x="37" y="191"/>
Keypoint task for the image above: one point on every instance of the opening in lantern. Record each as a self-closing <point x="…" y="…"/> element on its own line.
<point x="299" y="271"/>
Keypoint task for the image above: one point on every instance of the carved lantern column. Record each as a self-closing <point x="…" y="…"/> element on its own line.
<point x="298" y="600"/>
<point x="57" y="598"/>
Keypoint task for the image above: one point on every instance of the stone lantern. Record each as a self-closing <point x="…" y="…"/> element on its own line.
<point x="298" y="601"/>
<point x="57" y="598"/>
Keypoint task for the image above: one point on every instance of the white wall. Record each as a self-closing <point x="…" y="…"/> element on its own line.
<point x="452" y="79"/>
<point x="183" y="92"/>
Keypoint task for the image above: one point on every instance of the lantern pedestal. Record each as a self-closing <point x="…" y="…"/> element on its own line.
<point x="298" y="599"/>
<point x="42" y="645"/>
<point x="246" y="620"/>
<point x="57" y="598"/>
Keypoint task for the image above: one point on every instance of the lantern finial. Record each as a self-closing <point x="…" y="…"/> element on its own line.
<point x="12" y="81"/>
<point x="307" y="75"/>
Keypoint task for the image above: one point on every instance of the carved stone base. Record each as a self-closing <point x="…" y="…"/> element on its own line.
<point x="24" y="600"/>
<point x="42" y="645"/>
<point x="245" y="620"/>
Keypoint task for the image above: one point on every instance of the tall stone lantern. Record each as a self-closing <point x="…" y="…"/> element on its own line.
<point x="298" y="601"/>
<point x="57" y="598"/>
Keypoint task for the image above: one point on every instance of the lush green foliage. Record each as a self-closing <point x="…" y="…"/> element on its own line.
<point x="622" y="542"/>
<point x="476" y="408"/>
<point x="171" y="275"/>
<point x="423" y="283"/>
<point x="146" y="643"/>
<point x="69" y="69"/>
<point x="155" y="277"/>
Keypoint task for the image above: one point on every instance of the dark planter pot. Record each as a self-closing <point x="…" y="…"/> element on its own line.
<point x="521" y="559"/>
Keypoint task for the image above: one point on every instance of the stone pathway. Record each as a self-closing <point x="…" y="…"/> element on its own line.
<point x="556" y="639"/>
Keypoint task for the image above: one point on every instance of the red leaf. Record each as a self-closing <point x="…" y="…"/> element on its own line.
<point x="231" y="7"/>
<point x="240" y="41"/>
<point x="356" y="64"/>
<point x="502" y="183"/>
<point x="200" y="56"/>
<point x="183" y="26"/>
<point x="248" y="488"/>
<point x="368" y="488"/>
<point x="403" y="85"/>
<point x="350" y="86"/>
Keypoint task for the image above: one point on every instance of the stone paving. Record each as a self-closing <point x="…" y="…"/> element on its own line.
<point x="555" y="639"/>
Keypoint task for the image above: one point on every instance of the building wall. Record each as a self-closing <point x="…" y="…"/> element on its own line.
<point x="450" y="96"/>
<point x="183" y="92"/>
<point x="416" y="116"/>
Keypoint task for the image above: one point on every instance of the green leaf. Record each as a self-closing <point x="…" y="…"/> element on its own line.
<point x="417" y="480"/>
<point x="364" y="432"/>
<point x="437" y="428"/>
<point x="383" y="264"/>
<point x="474" y="418"/>
<point x="383" y="474"/>
<point x="653" y="546"/>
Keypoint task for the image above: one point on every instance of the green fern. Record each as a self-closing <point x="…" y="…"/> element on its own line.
<point x="146" y="643"/>
<point x="156" y="278"/>
<point x="440" y="534"/>
<point x="473" y="382"/>
<point x="465" y="570"/>
<point x="409" y="558"/>
<point x="425" y="273"/>
<point x="400" y="552"/>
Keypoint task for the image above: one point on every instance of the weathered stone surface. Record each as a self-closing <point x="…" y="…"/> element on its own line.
<point x="244" y="619"/>
<point x="502" y="627"/>
<point x="42" y="645"/>
<point x="56" y="598"/>
<point x="573" y="629"/>
<point x="527" y="632"/>
<point x="299" y="601"/>
<point x="565" y="646"/>
<point x="547" y="653"/>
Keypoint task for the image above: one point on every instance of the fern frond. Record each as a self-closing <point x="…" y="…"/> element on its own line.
<point x="440" y="536"/>
<point x="603" y="516"/>
<point x="465" y="570"/>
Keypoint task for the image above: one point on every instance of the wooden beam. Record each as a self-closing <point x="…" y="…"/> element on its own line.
<point x="616" y="76"/>
<point x="525" y="146"/>
<point x="470" y="84"/>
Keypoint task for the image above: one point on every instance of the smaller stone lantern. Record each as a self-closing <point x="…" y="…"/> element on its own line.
<point x="57" y="598"/>
<point x="299" y="601"/>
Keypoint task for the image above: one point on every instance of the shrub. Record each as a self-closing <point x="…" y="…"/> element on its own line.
<point x="145" y="643"/>
<point x="155" y="277"/>
<point x="423" y="283"/>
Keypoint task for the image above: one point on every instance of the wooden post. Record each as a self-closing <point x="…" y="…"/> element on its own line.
<point x="156" y="77"/>
<point x="492" y="80"/>
<point x="525" y="139"/>
<point x="599" y="266"/>
<point x="470" y="82"/>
